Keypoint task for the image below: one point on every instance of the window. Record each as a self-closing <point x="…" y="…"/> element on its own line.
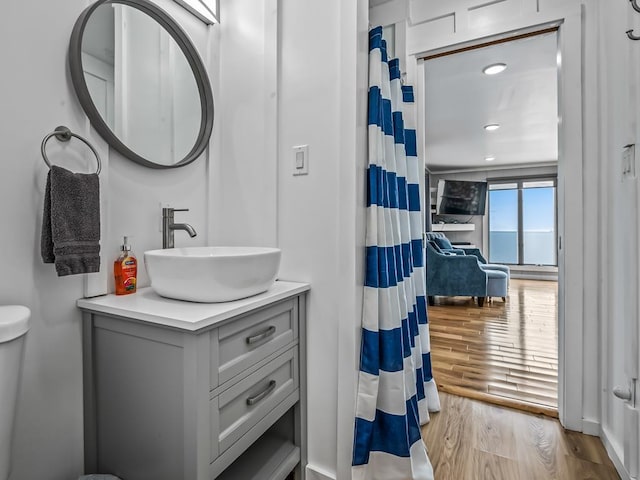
<point x="503" y="223"/>
<point x="522" y="222"/>
<point x="205" y="10"/>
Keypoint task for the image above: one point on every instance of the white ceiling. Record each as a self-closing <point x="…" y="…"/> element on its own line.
<point x="523" y="99"/>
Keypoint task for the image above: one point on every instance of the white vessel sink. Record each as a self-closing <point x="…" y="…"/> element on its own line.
<point x="14" y="322"/>
<point x="212" y="274"/>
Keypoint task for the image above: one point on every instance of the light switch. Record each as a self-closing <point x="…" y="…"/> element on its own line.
<point x="629" y="161"/>
<point x="301" y="160"/>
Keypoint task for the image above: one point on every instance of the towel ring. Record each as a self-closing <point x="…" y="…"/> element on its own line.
<point x="631" y="35"/>
<point x="63" y="134"/>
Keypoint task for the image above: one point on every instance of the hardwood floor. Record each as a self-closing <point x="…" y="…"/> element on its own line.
<point x="471" y="440"/>
<point x="503" y="353"/>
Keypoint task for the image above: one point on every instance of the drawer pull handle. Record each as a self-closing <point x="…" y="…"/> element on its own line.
<point x="256" y="398"/>
<point x="261" y="336"/>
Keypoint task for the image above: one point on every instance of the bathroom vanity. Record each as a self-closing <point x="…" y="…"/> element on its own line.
<point x="193" y="391"/>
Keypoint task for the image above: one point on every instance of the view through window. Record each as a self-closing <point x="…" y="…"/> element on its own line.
<point x="522" y="222"/>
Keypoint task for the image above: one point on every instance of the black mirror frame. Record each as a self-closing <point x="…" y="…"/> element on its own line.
<point x="194" y="60"/>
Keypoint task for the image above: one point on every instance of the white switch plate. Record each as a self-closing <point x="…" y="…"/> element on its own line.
<point x="301" y="160"/>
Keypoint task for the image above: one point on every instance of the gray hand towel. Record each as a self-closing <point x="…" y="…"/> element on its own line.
<point x="71" y="222"/>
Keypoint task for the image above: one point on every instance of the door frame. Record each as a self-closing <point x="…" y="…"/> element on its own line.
<point x="571" y="226"/>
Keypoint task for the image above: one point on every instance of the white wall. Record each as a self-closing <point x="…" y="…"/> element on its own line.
<point x="243" y="174"/>
<point x="36" y="95"/>
<point x="321" y="242"/>
<point x="158" y="94"/>
<point x="618" y="76"/>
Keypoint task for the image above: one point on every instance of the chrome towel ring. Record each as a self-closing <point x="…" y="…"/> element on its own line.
<point x="63" y="134"/>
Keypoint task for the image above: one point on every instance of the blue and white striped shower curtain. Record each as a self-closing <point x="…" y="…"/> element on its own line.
<point x="396" y="389"/>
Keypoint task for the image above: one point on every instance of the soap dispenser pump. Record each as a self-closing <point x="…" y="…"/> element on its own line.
<point x="125" y="270"/>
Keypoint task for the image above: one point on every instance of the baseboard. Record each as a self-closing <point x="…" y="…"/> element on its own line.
<point x="613" y="455"/>
<point x="533" y="276"/>
<point x="315" y="473"/>
<point x="591" y="427"/>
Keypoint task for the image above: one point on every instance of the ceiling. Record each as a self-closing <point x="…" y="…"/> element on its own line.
<point x="523" y="99"/>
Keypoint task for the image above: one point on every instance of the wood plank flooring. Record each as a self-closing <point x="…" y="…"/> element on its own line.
<point x="503" y="353"/>
<point x="471" y="440"/>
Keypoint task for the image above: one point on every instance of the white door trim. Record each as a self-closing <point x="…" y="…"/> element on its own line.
<point x="571" y="226"/>
<point x="612" y="450"/>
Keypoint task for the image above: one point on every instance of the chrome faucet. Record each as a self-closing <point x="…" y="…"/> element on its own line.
<point x="168" y="227"/>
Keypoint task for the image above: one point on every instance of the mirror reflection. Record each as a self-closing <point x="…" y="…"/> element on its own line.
<point x="141" y="83"/>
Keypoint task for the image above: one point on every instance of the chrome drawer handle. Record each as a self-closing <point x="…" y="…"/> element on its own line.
<point x="261" y="336"/>
<point x="256" y="398"/>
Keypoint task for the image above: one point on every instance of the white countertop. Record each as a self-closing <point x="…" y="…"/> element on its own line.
<point x="147" y="306"/>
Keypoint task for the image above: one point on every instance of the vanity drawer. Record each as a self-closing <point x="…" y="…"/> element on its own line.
<point x="241" y="406"/>
<point x="244" y="342"/>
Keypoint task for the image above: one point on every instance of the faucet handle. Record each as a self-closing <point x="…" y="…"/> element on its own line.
<point x="169" y="210"/>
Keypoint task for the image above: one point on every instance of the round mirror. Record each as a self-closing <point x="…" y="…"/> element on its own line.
<point x="141" y="82"/>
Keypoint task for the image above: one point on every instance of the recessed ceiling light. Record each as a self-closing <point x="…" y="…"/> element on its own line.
<point x="490" y="158"/>
<point x="492" y="127"/>
<point x="494" y="68"/>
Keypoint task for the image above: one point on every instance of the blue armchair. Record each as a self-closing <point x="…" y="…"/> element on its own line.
<point x="443" y="243"/>
<point x="453" y="275"/>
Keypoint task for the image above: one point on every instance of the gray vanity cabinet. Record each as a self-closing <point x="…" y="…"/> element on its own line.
<point x="219" y="395"/>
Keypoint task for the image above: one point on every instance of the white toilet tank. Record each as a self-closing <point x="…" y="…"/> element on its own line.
<point x="14" y="323"/>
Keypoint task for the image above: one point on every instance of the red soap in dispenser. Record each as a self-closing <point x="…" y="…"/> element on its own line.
<point x="125" y="270"/>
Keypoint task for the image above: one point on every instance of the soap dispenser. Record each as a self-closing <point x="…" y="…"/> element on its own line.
<point x="125" y="270"/>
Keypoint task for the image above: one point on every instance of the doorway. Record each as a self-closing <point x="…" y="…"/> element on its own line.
<point x="500" y="128"/>
<point x="438" y="30"/>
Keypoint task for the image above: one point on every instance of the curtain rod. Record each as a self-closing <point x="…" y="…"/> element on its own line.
<point x="488" y="44"/>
